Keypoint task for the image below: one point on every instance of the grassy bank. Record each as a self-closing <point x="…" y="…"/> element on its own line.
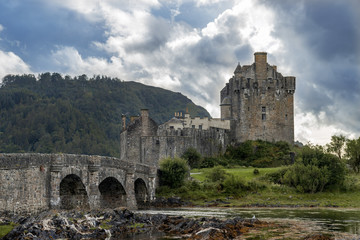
<point x="5" y="229"/>
<point x="263" y="193"/>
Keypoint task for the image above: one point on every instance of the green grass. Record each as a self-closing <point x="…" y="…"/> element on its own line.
<point x="272" y="195"/>
<point x="5" y="229"/>
<point x="244" y="172"/>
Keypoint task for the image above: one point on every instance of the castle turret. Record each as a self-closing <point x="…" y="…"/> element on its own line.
<point x="261" y="65"/>
<point x="225" y="108"/>
<point x="237" y="71"/>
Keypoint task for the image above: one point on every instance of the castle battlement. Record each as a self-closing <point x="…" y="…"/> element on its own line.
<point x="257" y="103"/>
<point x="260" y="102"/>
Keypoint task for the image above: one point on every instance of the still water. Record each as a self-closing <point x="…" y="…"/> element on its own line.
<point x="342" y="220"/>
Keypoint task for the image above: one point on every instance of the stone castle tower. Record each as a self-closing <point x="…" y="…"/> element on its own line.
<point x="259" y="102"/>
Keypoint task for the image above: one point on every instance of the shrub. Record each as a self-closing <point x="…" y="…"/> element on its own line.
<point x="315" y="171"/>
<point x="307" y="178"/>
<point x="208" y="162"/>
<point x="192" y="157"/>
<point x="234" y="185"/>
<point x="276" y="177"/>
<point x="351" y="183"/>
<point x="256" y="171"/>
<point x="173" y="172"/>
<point x="216" y="174"/>
<point x="255" y="185"/>
<point x="259" y="154"/>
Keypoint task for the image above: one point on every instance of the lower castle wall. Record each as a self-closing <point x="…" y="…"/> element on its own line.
<point x="208" y="143"/>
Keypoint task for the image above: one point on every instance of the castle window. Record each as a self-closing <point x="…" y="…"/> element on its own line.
<point x="285" y="116"/>
<point x="248" y="108"/>
<point x="263" y="117"/>
<point x="193" y="126"/>
<point x="171" y="127"/>
<point x="200" y="127"/>
<point x="263" y="109"/>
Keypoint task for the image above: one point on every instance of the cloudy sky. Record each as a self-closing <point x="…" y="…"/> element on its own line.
<point x="193" y="47"/>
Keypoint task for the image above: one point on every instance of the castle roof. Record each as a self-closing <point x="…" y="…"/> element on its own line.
<point x="238" y="69"/>
<point x="226" y="101"/>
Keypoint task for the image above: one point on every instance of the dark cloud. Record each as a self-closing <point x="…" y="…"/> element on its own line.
<point x="324" y="55"/>
<point x="38" y="28"/>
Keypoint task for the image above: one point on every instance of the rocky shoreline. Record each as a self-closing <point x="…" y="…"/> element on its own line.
<point x="124" y="224"/>
<point x="120" y="223"/>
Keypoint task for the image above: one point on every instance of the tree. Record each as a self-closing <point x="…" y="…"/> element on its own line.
<point x="352" y="151"/>
<point x="173" y="172"/>
<point x="193" y="157"/>
<point x="336" y="145"/>
<point x="315" y="171"/>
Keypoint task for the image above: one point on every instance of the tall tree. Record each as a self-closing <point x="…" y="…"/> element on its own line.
<point x="336" y="145"/>
<point x="353" y="153"/>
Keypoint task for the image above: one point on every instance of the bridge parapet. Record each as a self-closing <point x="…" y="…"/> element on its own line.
<point x="30" y="182"/>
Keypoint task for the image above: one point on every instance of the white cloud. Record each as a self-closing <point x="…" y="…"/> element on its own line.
<point x="198" y="61"/>
<point x="12" y="64"/>
<point x="69" y="59"/>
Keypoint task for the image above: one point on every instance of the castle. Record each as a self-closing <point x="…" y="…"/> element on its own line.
<point x="256" y="103"/>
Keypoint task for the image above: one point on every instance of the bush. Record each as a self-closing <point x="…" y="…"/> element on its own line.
<point x="276" y="177"/>
<point x="259" y="154"/>
<point x="256" y="171"/>
<point x="173" y="172"/>
<point x="208" y="162"/>
<point x="351" y="183"/>
<point x="315" y="171"/>
<point x="192" y="157"/>
<point x="216" y="174"/>
<point x="255" y="185"/>
<point x="234" y="185"/>
<point x="307" y="179"/>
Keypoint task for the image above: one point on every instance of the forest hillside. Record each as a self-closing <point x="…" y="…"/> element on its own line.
<point x="52" y="114"/>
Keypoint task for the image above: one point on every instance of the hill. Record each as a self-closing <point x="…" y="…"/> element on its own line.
<point x="81" y="115"/>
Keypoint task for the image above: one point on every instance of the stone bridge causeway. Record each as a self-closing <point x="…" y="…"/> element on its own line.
<point x="31" y="182"/>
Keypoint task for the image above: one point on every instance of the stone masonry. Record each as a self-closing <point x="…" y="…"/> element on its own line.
<point x="260" y="103"/>
<point x="256" y="104"/>
<point x="31" y="183"/>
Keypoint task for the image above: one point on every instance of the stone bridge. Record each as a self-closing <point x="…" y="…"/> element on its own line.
<point x="32" y="182"/>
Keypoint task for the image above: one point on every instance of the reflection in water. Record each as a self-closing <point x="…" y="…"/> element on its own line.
<point x="342" y="220"/>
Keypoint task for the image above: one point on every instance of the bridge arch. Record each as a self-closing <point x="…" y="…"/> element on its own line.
<point x="141" y="192"/>
<point x="112" y="193"/>
<point x="73" y="193"/>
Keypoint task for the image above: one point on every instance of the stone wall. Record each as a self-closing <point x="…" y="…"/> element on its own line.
<point x="36" y="182"/>
<point x="261" y="102"/>
<point x="153" y="146"/>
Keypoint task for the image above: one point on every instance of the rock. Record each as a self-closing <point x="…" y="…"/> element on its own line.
<point x="208" y="233"/>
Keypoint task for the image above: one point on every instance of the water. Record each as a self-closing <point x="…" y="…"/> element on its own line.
<point x="341" y="220"/>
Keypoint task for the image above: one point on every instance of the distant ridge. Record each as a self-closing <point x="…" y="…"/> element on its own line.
<point x="52" y="113"/>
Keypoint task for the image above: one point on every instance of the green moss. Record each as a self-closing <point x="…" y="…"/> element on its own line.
<point x="137" y="225"/>
<point x="105" y="224"/>
<point x="5" y="229"/>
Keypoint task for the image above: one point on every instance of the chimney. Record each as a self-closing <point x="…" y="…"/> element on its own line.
<point x="145" y="122"/>
<point x="261" y="65"/>
<point x="123" y="117"/>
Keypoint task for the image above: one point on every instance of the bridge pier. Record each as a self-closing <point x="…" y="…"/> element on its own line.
<point x="55" y="179"/>
<point x="93" y="192"/>
<point x="129" y="188"/>
<point x="152" y="184"/>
